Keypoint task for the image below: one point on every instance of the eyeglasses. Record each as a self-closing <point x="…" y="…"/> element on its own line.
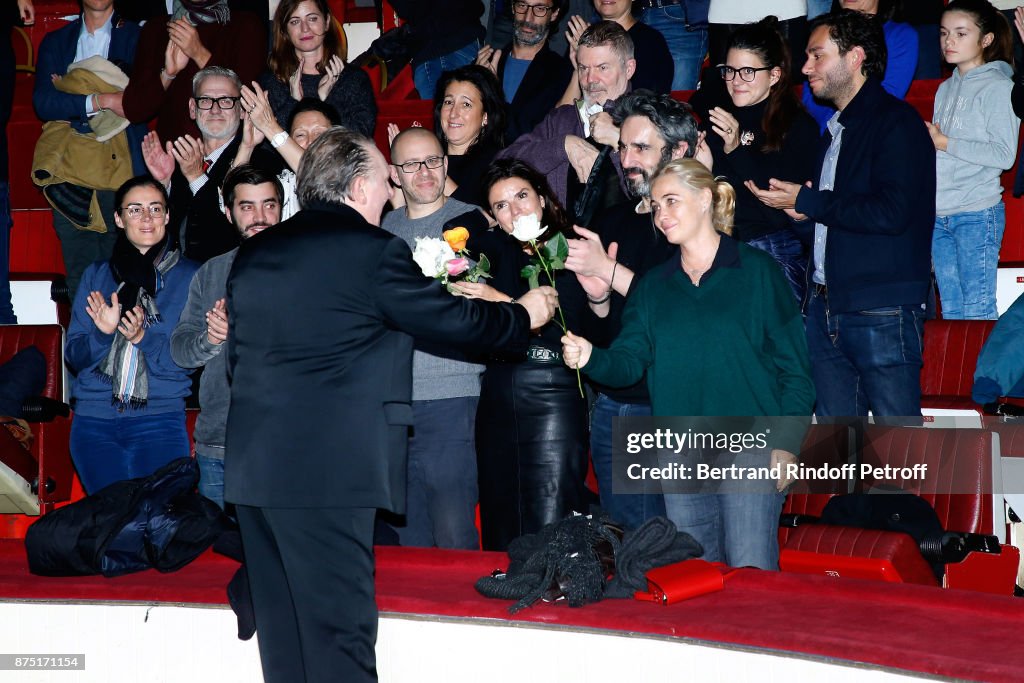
<point x="747" y="73"/>
<point x="138" y="210"/>
<point x="206" y="103"/>
<point x="538" y="10"/>
<point x="413" y="166"/>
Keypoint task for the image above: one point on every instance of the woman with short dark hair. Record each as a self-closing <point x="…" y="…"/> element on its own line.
<point x="128" y="394"/>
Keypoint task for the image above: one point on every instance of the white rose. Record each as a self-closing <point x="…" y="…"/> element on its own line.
<point x="431" y="254"/>
<point x="528" y="227"/>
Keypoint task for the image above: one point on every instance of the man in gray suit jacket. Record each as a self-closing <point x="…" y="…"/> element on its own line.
<point x="324" y="310"/>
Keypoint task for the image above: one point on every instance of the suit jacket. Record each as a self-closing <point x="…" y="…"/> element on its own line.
<point x="324" y="309"/>
<point x="205" y="230"/>
<point x="543" y="84"/>
<point x="57" y="52"/>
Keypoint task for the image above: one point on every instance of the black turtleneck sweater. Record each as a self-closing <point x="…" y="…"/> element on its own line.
<point x="796" y="162"/>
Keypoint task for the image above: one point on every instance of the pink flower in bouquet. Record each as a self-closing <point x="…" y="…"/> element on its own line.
<point x="457" y="266"/>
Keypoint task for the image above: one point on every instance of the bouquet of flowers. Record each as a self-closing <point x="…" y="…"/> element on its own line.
<point x="448" y="260"/>
<point x="548" y="256"/>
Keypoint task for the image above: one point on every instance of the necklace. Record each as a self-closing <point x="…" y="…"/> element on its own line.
<point x="696" y="273"/>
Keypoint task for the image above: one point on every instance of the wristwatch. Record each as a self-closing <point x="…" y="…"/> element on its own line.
<point x="279" y="139"/>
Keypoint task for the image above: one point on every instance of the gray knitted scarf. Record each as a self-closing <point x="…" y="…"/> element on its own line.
<point x="202" y="11"/>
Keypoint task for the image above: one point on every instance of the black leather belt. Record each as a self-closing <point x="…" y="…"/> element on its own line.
<point x="820" y="290"/>
<point x="651" y="4"/>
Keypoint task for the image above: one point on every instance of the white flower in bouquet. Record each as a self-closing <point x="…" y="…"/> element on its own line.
<point x="527" y="228"/>
<point x="432" y="255"/>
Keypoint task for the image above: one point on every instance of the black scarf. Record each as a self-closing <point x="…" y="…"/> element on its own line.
<point x="139" y="277"/>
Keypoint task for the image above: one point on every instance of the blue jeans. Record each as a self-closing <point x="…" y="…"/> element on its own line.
<point x="629" y="509"/>
<point x="739" y="524"/>
<point x="7" y="316"/>
<point x="427" y="74"/>
<point x="211" y="477"/>
<point x="815" y="8"/>
<point x="965" y="251"/>
<point x="441" y="492"/>
<point x="125" y="447"/>
<point x="865" y="360"/>
<point x="688" y="46"/>
<point x="789" y="253"/>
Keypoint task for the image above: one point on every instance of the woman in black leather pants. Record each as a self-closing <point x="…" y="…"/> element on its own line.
<point x="531" y="426"/>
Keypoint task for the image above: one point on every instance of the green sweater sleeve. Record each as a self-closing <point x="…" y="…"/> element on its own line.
<point x="624" y="363"/>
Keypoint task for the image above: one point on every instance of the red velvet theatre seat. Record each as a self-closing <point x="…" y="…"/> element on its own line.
<point x="951" y="349"/>
<point x="958" y="487"/>
<point x="47" y="466"/>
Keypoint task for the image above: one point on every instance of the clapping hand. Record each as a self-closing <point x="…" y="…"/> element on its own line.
<point x="106" y="316"/>
<point x="174" y="60"/>
<point x="27" y="12"/>
<point x="159" y="161"/>
<point x="779" y="195"/>
<point x="575" y="28"/>
<point x="295" y="81"/>
<point x="132" y="324"/>
<point x="332" y="72"/>
<point x="188" y="152"/>
<point x="217" y="322"/>
<point x="186" y="37"/>
<point x="488" y="57"/>
<point x="258" y="110"/>
<point x="727" y="127"/>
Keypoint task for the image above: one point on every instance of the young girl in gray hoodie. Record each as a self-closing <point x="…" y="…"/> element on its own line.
<point x="974" y="130"/>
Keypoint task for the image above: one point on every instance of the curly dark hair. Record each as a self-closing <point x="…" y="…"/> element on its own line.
<point x="673" y="119"/>
<point x="491" y="94"/>
<point x="849" y="29"/>
<point x="554" y="215"/>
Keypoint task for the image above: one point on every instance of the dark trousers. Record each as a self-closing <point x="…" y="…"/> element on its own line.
<point x="866" y="360"/>
<point x="81" y="247"/>
<point x="441" y="486"/>
<point x="311" y="578"/>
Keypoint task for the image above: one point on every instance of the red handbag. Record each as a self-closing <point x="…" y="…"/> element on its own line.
<point x="683" y="580"/>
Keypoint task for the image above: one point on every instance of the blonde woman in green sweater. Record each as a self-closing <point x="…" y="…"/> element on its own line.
<point x="719" y="334"/>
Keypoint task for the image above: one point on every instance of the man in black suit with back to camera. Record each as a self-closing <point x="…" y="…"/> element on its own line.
<point x="324" y="310"/>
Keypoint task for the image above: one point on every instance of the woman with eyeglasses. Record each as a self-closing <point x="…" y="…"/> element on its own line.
<point x="758" y="130"/>
<point x="306" y="60"/>
<point x="128" y="394"/>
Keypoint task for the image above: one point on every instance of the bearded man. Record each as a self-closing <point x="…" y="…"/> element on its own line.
<point x="532" y="75"/>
